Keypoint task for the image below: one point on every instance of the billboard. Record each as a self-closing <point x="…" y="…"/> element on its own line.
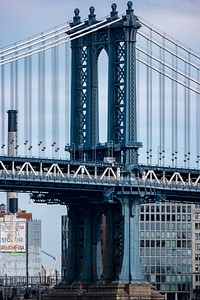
<point x="13" y="234"/>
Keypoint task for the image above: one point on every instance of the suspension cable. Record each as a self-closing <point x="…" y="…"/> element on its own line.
<point x="59" y="41"/>
<point x="169" y="39"/>
<point x="168" y="76"/>
<point x="2" y="122"/>
<point x="184" y="75"/>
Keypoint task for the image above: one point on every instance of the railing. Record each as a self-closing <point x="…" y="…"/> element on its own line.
<point x="111" y="177"/>
<point x="18" y="286"/>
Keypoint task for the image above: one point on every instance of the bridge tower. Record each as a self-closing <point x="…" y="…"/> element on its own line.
<point x="118" y="40"/>
<point x="114" y="264"/>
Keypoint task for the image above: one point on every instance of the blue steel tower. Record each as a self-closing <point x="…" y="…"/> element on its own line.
<point x="121" y="261"/>
<point x="118" y="40"/>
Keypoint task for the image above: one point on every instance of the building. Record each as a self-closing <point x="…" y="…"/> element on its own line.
<point x="166" y="248"/>
<point x="20" y="244"/>
<point x="196" y="250"/>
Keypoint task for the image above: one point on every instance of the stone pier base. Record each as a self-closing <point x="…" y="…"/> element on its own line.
<point x="113" y="291"/>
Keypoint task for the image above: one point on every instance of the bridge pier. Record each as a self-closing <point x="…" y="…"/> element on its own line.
<point x="110" y="272"/>
<point x="84" y="254"/>
<point x="121" y="263"/>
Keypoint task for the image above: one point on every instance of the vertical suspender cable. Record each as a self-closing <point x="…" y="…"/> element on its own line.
<point x="185" y="120"/>
<point x="53" y="98"/>
<point x="162" y="104"/>
<point x="160" y="111"/>
<point x="55" y="101"/>
<point x="2" y="108"/>
<point x="137" y="95"/>
<point x="174" y="108"/>
<point x="149" y="100"/>
<point x="187" y="115"/>
<point x="67" y="98"/>
<point x="173" y="111"/>
<point x="16" y="85"/>
<point x="43" y="95"/>
<point x="188" y="110"/>
<point x="198" y="120"/>
<point x="30" y="103"/>
<point x="25" y="105"/>
<point x="16" y="104"/>
<point x="39" y="103"/>
<point x="12" y="85"/>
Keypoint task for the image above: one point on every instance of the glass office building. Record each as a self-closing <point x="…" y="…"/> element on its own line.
<point x="166" y="248"/>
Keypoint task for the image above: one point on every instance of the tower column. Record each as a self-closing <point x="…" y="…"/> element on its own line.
<point x="131" y="268"/>
<point x="135" y="265"/>
<point x="86" y="271"/>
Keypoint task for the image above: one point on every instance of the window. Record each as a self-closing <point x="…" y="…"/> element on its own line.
<point x="184" y="209"/>
<point x="157" y="234"/>
<point x="152" y="208"/>
<point x="184" y="217"/>
<point x="157" y="243"/>
<point x="157" y="208"/>
<point x="163" y="234"/>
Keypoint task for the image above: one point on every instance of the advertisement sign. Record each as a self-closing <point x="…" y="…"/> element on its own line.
<point x="13" y="235"/>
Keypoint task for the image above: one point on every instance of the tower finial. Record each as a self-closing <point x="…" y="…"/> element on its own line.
<point x="130" y="7"/>
<point x="114" y="13"/>
<point x="92" y="16"/>
<point x="76" y="19"/>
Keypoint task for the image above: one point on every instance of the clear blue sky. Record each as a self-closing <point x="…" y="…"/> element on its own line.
<point x="24" y="18"/>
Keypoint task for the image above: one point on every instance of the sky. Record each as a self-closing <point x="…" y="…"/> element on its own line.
<point x="25" y="18"/>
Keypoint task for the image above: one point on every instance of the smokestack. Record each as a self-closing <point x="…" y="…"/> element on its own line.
<point x="12" y="197"/>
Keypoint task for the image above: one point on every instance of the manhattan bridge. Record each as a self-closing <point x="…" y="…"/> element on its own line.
<point x="65" y="141"/>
